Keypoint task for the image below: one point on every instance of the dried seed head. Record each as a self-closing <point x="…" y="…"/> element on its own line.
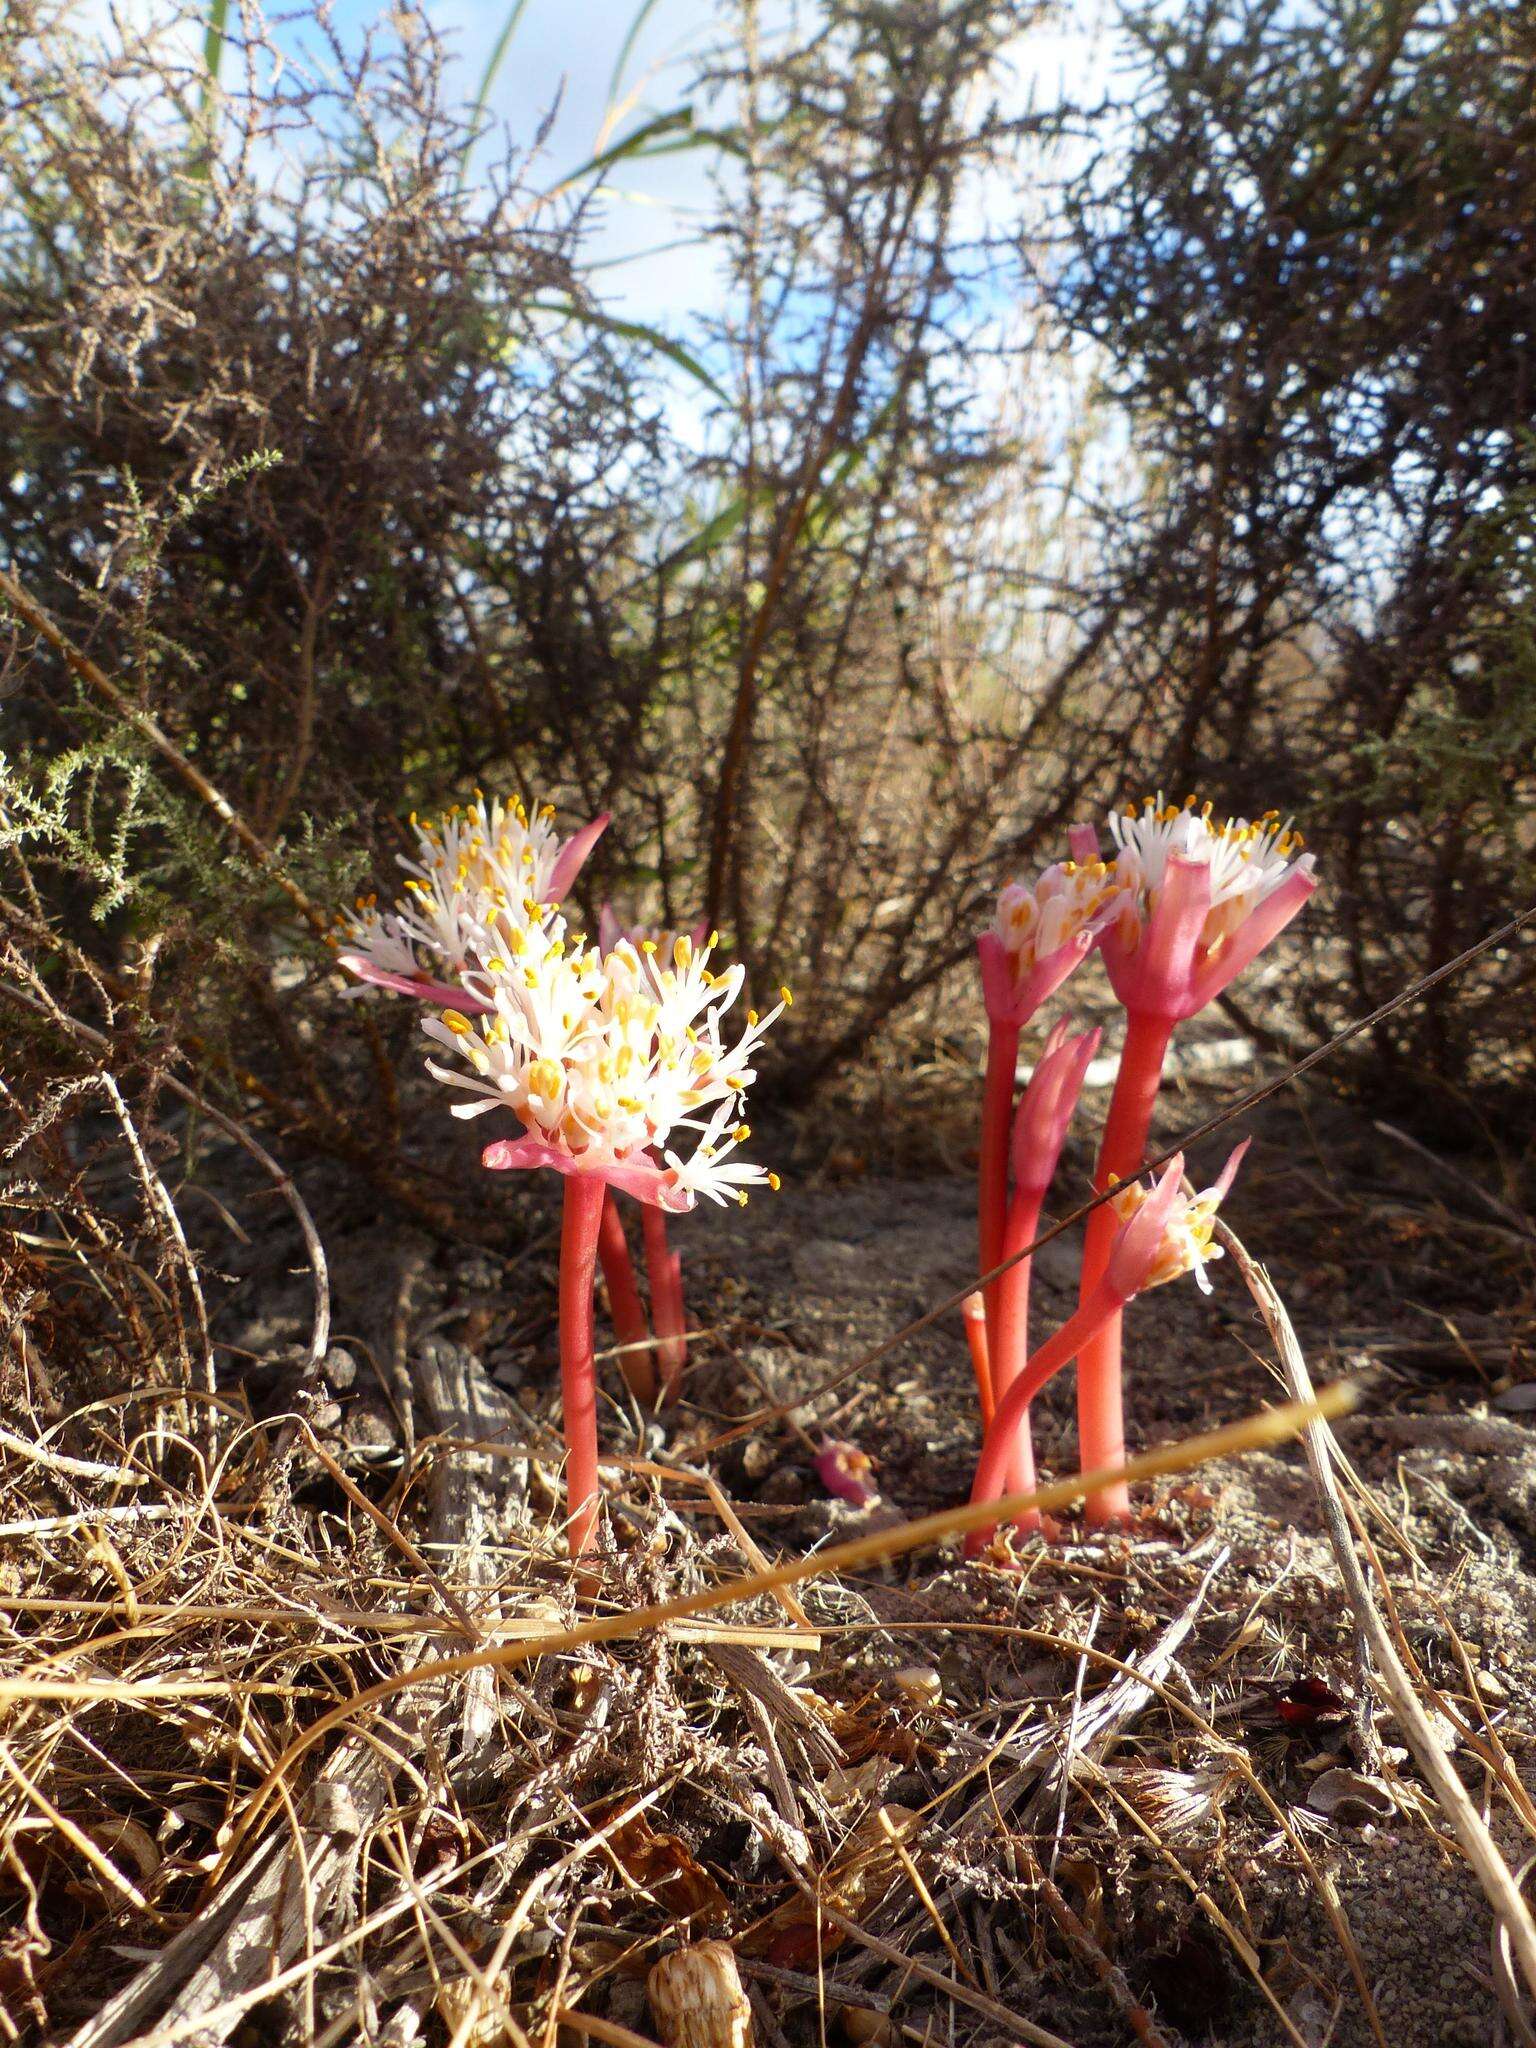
<point x="697" y="2000"/>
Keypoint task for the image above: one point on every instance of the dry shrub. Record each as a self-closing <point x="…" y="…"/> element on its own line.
<point x="1308" y="257"/>
<point x="326" y="454"/>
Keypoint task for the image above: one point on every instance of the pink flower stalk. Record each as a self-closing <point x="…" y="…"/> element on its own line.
<point x="1197" y="903"/>
<point x="1039" y="1132"/>
<point x="664" y="1267"/>
<point x="1038" y="936"/>
<point x="974" y="1310"/>
<point x="606" y="1063"/>
<point x="1155" y="1237"/>
<point x="624" y="1304"/>
<point x="481" y="872"/>
<point x="844" y="1470"/>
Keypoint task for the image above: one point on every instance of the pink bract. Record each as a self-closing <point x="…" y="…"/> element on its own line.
<point x="640" y="1178"/>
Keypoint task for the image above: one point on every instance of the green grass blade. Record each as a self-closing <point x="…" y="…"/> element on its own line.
<point x="633" y="144"/>
<point x="634" y="330"/>
<point x="201" y="124"/>
<point x="493" y="65"/>
<point x="642" y="16"/>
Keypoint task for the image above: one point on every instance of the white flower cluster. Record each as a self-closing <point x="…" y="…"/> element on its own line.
<point x="482" y="871"/>
<point x="1248" y="862"/>
<point x="606" y="1061"/>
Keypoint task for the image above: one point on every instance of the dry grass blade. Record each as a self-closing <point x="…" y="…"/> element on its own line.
<point x="1390" y="1677"/>
<point x="1273" y="1426"/>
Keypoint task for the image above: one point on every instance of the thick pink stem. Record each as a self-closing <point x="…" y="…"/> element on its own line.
<point x="624" y="1304"/>
<point x="1100" y="1393"/>
<point x="1012" y="1346"/>
<point x="580" y="1228"/>
<point x="992" y="1170"/>
<point x="998" y="1449"/>
<point x="664" y="1269"/>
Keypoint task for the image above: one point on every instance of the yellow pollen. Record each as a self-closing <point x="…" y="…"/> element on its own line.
<point x="774" y="1182"/>
<point x="786" y="998"/>
<point x="457" y="1023"/>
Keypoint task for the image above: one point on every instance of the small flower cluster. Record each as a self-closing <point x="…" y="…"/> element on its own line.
<point x="1179" y="908"/>
<point x="1187" y="1241"/>
<point x="606" y="1059"/>
<point x="614" y="1057"/>
<point x="1247" y="862"/>
<point x="483" y="872"/>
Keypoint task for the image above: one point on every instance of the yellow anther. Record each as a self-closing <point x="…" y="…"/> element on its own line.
<point x="741" y="1133"/>
<point x="774" y="1182"/>
<point x="786" y="998"/>
<point x="457" y="1023"/>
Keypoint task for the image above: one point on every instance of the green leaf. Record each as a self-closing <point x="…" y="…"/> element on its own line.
<point x="634" y="330"/>
<point x="677" y="118"/>
<point x="213" y="60"/>
<point x="213" y="48"/>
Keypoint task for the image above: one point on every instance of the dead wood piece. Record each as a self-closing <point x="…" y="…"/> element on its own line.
<point x="257" y="1926"/>
<point x="755" y="1678"/>
<point x="471" y="1494"/>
